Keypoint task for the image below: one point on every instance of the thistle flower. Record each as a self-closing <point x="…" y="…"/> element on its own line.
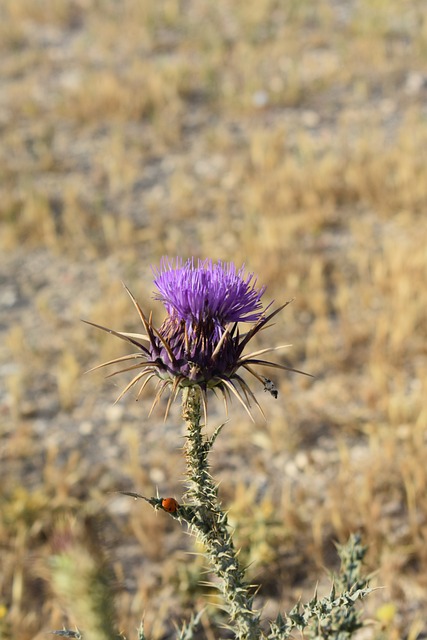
<point x="199" y="343"/>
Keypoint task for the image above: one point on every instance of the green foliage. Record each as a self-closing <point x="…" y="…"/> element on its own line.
<point x="334" y="616"/>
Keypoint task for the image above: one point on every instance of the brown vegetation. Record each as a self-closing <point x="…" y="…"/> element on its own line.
<point x="290" y="136"/>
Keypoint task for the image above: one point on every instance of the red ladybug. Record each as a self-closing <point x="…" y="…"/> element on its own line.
<point x="170" y="505"/>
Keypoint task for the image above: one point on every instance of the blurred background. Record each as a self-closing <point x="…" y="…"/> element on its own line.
<point x="287" y="135"/>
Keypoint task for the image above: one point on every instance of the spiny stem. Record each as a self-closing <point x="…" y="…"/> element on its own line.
<point x="210" y="524"/>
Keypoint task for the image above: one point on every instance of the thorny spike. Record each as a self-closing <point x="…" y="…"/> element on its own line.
<point x="225" y="402"/>
<point x="172" y="396"/>
<point x="145" y="322"/>
<point x="132" y="356"/>
<point x="248" y="391"/>
<point x="128" y="386"/>
<point x="261" y="351"/>
<point x="215" y="434"/>
<point x="227" y="397"/>
<point x="132" y="494"/>
<point x="162" y="386"/>
<point x="132" y="368"/>
<point x="223" y="396"/>
<point x="205" y="405"/>
<point x="254" y="373"/>
<point x="186" y="340"/>
<point x="166" y="346"/>
<point x="275" y="365"/>
<point x="238" y="379"/>
<point x="144" y="384"/>
<point x="117" y="334"/>
<point x="220" y="343"/>
<point x="233" y="330"/>
<point x="129" y="334"/>
<point x="259" y="326"/>
<point x="229" y="384"/>
<point x="152" y="331"/>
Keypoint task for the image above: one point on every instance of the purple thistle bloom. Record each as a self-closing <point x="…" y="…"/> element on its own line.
<point x="199" y="343"/>
<point x="208" y="293"/>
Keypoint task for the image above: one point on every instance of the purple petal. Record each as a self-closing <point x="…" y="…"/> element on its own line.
<point x="208" y="292"/>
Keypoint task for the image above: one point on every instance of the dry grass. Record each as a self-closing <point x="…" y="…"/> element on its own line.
<point x="289" y="136"/>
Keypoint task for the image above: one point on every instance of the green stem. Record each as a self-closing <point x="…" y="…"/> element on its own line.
<point x="210" y="524"/>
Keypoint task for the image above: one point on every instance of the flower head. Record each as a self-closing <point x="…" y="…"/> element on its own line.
<point x="199" y="342"/>
<point x="208" y="294"/>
